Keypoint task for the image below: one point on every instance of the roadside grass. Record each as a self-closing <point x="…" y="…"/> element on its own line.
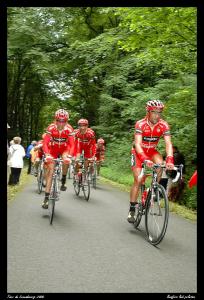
<point x="13" y="190"/>
<point x="124" y="182"/>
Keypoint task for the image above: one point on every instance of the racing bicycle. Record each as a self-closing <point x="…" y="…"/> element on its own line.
<point x="153" y="204"/>
<point x="81" y="178"/>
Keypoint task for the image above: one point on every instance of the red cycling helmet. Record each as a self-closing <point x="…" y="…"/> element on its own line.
<point x="83" y="122"/>
<point x="154" y="104"/>
<point x="61" y="115"/>
<point x="100" y="141"/>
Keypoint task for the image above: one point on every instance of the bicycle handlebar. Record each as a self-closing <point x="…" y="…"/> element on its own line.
<point x="177" y="168"/>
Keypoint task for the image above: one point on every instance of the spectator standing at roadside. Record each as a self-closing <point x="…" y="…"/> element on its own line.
<point x="28" y="155"/>
<point x="15" y="161"/>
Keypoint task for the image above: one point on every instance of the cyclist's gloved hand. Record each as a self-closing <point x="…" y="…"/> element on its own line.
<point x="66" y="160"/>
<point x="149" y="163"/>
<point x="170" y="162"/>
<point x="48" y="158"/>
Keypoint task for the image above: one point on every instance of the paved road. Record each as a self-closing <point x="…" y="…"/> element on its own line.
<point x="92" y="248"/>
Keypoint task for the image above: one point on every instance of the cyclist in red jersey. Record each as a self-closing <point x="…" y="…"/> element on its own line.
<point x="148" y="131"/>
<point x="84" y="140"/>
<point x="39" y="153"/>
<point x="100" y="153"/>
<point x="58" y="141"/>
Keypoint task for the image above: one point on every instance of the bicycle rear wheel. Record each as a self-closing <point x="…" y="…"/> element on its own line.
<point x="156" y="215"/>
<point x="76" y="183"/>
<point x="86" y="185"/>
<point x="94" y="181"/>
<point x="94" y="178"/>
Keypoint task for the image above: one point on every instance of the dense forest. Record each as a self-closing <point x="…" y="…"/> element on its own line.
<point x="104" y="64"/>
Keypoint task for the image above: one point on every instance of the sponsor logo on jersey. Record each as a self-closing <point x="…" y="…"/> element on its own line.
<point x="83" y="140"/>
<point x="150" y="139"/>
<point x="59" y="140"/>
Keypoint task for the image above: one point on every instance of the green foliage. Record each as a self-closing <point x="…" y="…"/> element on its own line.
<point x="104" y="63"/>
<point x="190" y="198"/>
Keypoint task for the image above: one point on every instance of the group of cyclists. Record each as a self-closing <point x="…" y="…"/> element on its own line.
<point x="60" y="139"/>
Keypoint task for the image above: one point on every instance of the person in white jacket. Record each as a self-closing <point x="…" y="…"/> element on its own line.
<point x="15" y="161"/>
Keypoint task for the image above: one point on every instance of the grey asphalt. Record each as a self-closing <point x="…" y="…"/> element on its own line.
<point x="91" y="248"/>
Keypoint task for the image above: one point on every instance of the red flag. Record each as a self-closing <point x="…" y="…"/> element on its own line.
<point x="193" y="180"/>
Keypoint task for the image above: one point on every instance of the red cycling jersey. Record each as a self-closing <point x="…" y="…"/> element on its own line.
<point x="100" y="152"/>
<point x="150" y="138"/>
<point x="58" y="142"/>
<point x="86" y="142"/>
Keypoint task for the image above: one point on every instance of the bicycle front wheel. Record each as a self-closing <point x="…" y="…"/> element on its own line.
<point x="40" y="181"/>
<point x="52" y="199"/>
<point x="139" y="207"/>
<point x="76" y="184"/>
<point x="86" y="185"/>
<point x="156" y="214"/>
<point x="51" y="207"/>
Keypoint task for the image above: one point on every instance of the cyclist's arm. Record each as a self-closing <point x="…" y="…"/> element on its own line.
<point x="71" y="145"/>
<point x="168" y="143"/>
<point x="77" y="148"/>
<point x="93" y="146"/>
<point x="169" y="152"/>
<point x="46" y="141"/>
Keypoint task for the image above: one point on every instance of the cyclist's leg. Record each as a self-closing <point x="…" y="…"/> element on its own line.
<point x="49" y="173"/>
<point x="98" y="166"/>
<point x="136" y="166"/>
<point x="88" y="163"/>
<point x="157" y="158"/>
<point x="65" y="166"/>
<point x="36" y="165"/>
<point x="45" y="168"/>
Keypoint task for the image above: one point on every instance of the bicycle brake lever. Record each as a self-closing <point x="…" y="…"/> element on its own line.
<point x="177" y="175"/>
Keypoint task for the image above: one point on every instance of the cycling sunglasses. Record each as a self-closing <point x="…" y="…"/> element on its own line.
<point x="61" y="121"/>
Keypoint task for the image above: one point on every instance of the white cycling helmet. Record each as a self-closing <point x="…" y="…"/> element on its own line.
<point x="152" y="104"/>
<point x="61" y="114"/>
